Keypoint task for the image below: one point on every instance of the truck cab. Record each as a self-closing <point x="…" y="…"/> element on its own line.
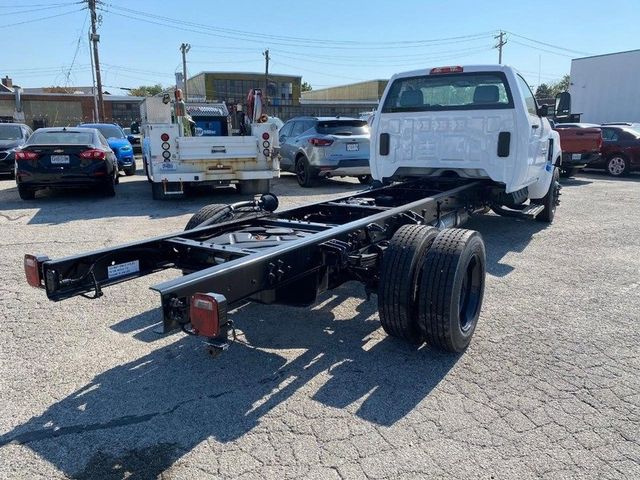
<point x="476" y="122"/>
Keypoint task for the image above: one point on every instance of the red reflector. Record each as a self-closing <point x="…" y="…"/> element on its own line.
<point x="320" y="142"/>
<point x="164" y="137"/>
<point x="207" y="311"/>
<point x="32" y="269"/>
<point x="265" y="136"/>
<point x="435" y="71"/>
<point x="93" y="154"/>
<point x="26" y="155"/>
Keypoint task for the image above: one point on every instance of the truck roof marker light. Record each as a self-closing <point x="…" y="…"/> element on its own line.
<point x="440" y="70"/>
<point x="207" y="312"/>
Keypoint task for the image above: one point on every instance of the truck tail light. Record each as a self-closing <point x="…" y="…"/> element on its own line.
<point x="320" y="142"/>
<point x="26" y="155"/>
<point x="93" y="154"/>
<point x="164" y="137"/>
<point x="207" y="312"/>
<point x="32" y="269"/>
<point x="265" y="136"/>
<point x="439" y="70"/>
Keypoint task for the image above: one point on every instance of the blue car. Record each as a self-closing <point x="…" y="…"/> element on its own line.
<point x="119" y="144"/>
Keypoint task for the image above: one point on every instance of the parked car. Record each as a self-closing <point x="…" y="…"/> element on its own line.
<point x="135" y="139"/>
<point x="318" y="147"/>
<point x="65" y="157"/>
<point x="580" y="143"/>
<point x="620" y="153"/>
<point x="118" y="143"/>
<point x="12" y="137"/>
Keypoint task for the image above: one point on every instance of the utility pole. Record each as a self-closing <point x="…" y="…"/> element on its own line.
<point x="501" y="43"/>
<point x="95" y="38"/>
<point x="266" y="75"/>
<point x="184" y="48"/>
<point x="93" y="85"/>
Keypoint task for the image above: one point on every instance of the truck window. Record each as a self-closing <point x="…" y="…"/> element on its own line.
<point x="609" y="134"/>
<point x="528" y="96"/>
<point x="459" y="91"/>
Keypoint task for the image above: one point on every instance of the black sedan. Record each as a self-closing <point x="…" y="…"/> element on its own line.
<point x="66" y="158"/>
<point x="12" y="137"/>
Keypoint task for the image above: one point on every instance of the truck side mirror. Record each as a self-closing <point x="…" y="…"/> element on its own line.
<point x="563" y="103"/>
<point x="545" y="111"/>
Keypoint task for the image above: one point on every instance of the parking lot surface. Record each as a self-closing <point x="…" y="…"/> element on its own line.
<point x="549" y="387"/>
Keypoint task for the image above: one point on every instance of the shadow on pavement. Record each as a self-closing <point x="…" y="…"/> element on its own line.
<point x="142" y="416"/>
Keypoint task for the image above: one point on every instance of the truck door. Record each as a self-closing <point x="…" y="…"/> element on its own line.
<point x="539" y="131"/>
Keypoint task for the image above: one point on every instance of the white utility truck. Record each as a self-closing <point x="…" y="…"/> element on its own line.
<point x="447" y="143"/>
<point x="476" y="122"/>
<point x="189" y="145"/>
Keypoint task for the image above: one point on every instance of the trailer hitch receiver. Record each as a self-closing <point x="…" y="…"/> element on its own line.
<point x="207" y="312"/>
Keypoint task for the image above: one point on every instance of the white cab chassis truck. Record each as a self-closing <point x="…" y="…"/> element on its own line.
<point x="174" y="162"/>
<point x="475" y="122"/>
<point x="447" y="143"/>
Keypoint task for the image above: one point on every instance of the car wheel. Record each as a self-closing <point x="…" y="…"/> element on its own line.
<point x="26" y="193"/>
<point x="365" y="179"/>
<point x="617" y="165"/>
<point x="109" y="190"/>
<point x="304" y="173"/>
<point x="128" y="171"/>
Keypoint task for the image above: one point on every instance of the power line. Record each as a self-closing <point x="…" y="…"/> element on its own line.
<point x="549" y="44"/>
<point x="18" y="12"/>
<point x="542" y="49"/>
<point x="15" y="24"/>
<point x="75" y="54"/>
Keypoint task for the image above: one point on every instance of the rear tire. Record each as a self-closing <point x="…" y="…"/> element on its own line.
<point x="109" y="190"/>
<point x="399" y="281"/>
<point x="451" y="289"/>
<point x="304" y="173"/>
<point x="550" y="200"/>
<point x="26" y="193"/>
<point x="254" y="187"/>
<point x="129" y="171"/>
<point x="617" y="165"/>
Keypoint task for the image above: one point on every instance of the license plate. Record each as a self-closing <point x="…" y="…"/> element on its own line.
<point x="59" y="159"/>
<point x="353" y="147"/>
<point x="167" y="166"/>
<point x="576" y="156"/>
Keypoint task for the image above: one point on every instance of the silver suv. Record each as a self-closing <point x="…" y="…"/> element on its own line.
<point x="319" y="147"/>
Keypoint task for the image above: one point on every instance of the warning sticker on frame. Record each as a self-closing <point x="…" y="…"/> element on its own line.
<point x="114" y="271"/>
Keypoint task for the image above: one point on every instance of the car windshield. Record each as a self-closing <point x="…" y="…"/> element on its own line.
<point x="108" y="131"/>
<point x="462" y="91"/>
<point x="10" y="132"/>
<point x="342" y="127"/>
<point x="61" y="137"/>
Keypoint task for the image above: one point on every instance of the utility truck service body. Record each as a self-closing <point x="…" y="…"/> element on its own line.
<point x="179" y="152"/>
<point x="440" y="156"/>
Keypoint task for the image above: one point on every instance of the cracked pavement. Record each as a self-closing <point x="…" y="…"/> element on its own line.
<point x="548" y="389"/>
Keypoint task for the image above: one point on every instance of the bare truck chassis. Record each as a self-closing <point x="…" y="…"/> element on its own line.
<point x="397" y="240"/>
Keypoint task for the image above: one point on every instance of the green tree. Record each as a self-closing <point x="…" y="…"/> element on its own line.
<point x="306" y="87"/>
<point x="560" y="86"/>
<point x="543" y="91"/>
<point x="146" y="90"/>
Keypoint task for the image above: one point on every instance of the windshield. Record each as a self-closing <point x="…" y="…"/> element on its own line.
<point x="10" y="132"/>
<point x="461" y="91"/>
<point x="108" y="131"/>
<point x="342" y="127"/>
<point x="61" y="137"/>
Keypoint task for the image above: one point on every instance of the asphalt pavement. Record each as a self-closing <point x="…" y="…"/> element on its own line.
<point x="549" y="387"/>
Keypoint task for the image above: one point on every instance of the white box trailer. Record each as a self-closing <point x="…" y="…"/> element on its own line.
<point x="174" y="162"/>
<point x="605" y="88"/>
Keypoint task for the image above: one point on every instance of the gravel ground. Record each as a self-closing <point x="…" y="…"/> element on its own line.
<point x="549" y="387"/>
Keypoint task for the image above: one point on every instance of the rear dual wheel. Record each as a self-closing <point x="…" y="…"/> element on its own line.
<point x="432" y="285"/>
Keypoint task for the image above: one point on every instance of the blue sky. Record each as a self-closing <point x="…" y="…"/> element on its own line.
<point x="328" y="43"/>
